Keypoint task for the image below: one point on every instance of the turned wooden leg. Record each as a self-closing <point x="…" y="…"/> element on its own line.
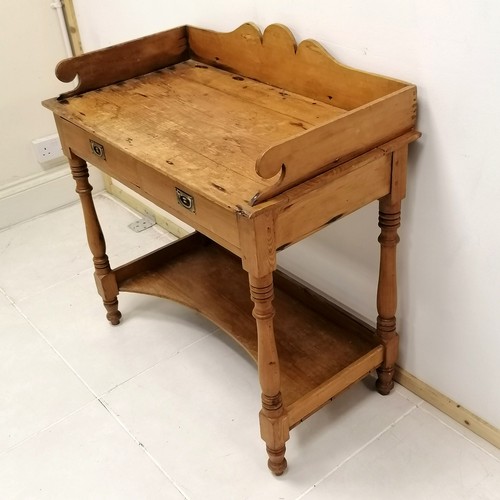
<point x="105" y="279"/>
<point x="273" y="422"/>
<point x="389" y="221"/>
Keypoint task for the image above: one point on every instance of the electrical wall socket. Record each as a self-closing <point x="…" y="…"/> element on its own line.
<point x="48" y="149"/>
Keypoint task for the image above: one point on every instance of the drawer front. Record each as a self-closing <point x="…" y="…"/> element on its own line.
<point x="192" y="208"/>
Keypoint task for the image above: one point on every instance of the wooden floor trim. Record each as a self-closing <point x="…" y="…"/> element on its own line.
<point x="449" y="407"/>
<point x="161" y="217"/>
<point x="72" y="27"/>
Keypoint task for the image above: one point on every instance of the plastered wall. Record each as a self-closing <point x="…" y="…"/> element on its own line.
<point x="30" y="46"/>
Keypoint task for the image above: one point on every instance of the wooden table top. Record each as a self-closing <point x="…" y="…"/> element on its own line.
<point x="200" y="125"/>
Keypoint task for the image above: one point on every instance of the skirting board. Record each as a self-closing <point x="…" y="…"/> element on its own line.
<point x="449" y="407"/>
<point x="35" y="195"/>
<point x="407" y="380"/>
<point x="145" y="207"/>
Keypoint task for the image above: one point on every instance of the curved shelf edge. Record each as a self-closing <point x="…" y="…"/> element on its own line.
<point x="141" y="286"/>
<point x="319" y="345"/>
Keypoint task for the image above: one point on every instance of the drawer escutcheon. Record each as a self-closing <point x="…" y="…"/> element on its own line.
<point x="186" y="200"/>
<point x="97" y="149"/>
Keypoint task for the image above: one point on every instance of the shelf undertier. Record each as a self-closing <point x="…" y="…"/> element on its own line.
<point x="322" y="350"/>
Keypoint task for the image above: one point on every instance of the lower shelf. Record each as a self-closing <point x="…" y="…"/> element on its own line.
<point x="322" y="350"/>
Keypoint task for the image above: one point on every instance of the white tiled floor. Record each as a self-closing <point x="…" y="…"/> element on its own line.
<point x="164" y="406"/>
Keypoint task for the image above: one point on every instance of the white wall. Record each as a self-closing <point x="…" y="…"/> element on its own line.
<point x="30" y="47"/>
<point x="448" y="257"/>
<point x="102" y="23"/>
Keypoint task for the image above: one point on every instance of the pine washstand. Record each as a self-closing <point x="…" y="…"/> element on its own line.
<point x="256" y="142"/>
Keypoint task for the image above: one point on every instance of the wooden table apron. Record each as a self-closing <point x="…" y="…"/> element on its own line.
<point x="218" y="129"/>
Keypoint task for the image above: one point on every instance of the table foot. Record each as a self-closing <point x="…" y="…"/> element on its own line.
<point x="385" y="382"/>
<point x="277" y="462"/>
<point x="113" y="315"/>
